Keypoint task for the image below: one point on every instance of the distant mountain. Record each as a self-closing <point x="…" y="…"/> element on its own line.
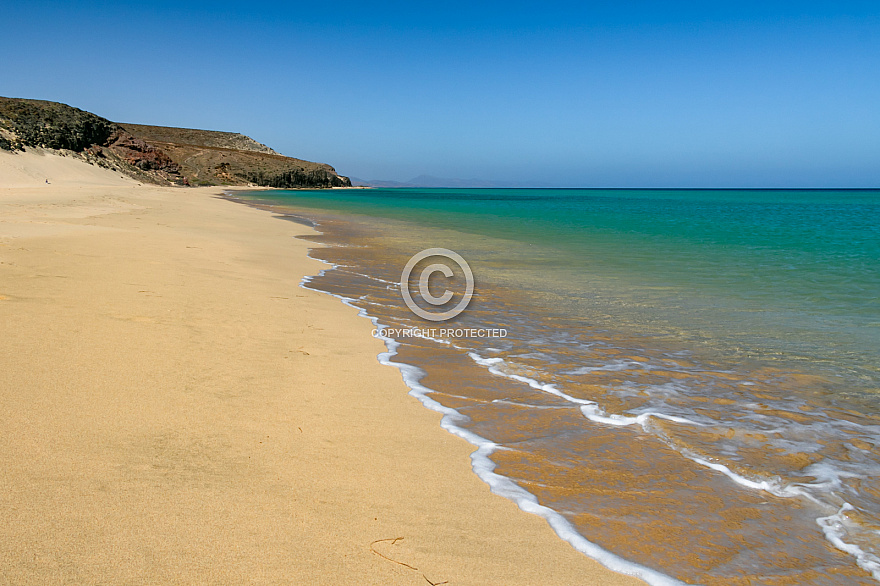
<point x="379" y="183"/>
<point x="431" y="181"/>
<point x="156" y="154"/>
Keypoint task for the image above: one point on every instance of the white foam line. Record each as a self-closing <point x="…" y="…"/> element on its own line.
<point x="613" y="367"/>
<point x="590" y="409"/>
<point x="551" y="389"/>
<point x="529" y="405"/>
<point x="484" y="467"/>
<point x="832" y="526"/>
<point x="771" y="487"/>
<point x="594" y="413"/>
<point x="372" y="277"/>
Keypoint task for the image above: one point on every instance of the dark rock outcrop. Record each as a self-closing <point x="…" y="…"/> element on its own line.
<point x="50" y="125"/>
<point x="298" y="177"/>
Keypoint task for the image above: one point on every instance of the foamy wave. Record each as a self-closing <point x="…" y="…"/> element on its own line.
<point x="827" y="477"/>
<point x="491" y="363"/>
<point x="484" y="467"/>
<point x="590" y="409"/>
<point x="834" y="528"/>
<point x="614" y="366"/>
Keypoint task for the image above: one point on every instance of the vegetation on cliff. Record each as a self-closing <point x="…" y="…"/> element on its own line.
<point x="50" y="125"/>
<point x="191" y="136"/>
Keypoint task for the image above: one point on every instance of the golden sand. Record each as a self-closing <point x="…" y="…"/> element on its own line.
<point x="176" y="409"/>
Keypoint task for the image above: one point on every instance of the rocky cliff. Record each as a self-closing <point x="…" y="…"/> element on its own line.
<point x="156" y="154"/>
<point x="208" y="157"/>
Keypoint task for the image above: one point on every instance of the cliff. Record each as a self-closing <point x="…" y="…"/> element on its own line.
<point x="209" y="157"/>
<point x="156" y="154"/>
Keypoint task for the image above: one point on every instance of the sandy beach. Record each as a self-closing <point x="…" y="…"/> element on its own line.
<point x="176" y="409"/>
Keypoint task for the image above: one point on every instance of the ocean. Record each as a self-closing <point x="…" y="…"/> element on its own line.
<point x="684" y="383"/>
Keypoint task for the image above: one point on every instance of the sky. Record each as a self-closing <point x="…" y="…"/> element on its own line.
<point x="610" y="94"/>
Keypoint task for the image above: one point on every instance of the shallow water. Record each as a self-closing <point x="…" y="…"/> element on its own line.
<point x="688" y="380"/>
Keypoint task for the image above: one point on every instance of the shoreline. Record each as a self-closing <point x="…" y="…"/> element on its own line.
<point x="452" y="421"/>
<point x="179" y="410"/>
<point x="484" y="468"/>
<point x="355" y="244"/>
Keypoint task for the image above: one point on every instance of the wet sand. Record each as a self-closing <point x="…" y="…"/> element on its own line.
<point x="632" y="488"/>
<point x="176" y="409"/>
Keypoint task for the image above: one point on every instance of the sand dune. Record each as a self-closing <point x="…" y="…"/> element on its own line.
<point x="35" y="166"/>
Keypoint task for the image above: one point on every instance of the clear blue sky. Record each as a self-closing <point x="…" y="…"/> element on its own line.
<point x="604" y="94"/>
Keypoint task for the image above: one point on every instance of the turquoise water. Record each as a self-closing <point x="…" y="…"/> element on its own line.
<point x="690" y="379"/>
<point x="765" y="272"/>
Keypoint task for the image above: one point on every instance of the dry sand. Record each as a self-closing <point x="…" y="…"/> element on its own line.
<point x="174" y="408"/>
